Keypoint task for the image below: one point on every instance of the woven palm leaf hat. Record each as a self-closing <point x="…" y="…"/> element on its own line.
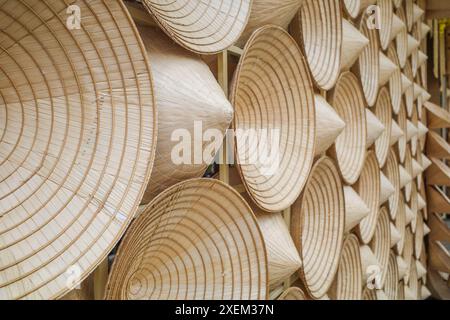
<point x="273" y="97"/>
<point x="317" y="28"/>
<point x="349" y="149"/>
<point x="317" y="227"/>
<point x="77" y="142"/>
<point x="205" y="27"/>
<point x="196" y="240"/>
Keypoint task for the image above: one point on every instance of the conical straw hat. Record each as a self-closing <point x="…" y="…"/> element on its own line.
<point x="386" y="15"/>
<point x="196" y="240"/>
<point x="441" y="232"/>
<point x="438" y="173"/>
<point x="403" y="124"/>
<point x="418" y="235"/>
<point x="349" y="149"/>
<point x="425" y="293"/>
<point x="438" y="117"/>
<point x="392" y="278"/>
<point x="355" y="7"/>
<point x="368" y="187"/>
<point x="397" y="26"/>
<point x="387" y="69"/>
<point x="353" y="42"/>
<point x="408" y="250"/>
<point x="273" y="66"/>
<point x="329" y="125"/>
<point x="391" y="170"/>
<point x="185" y="89"/>
<point x="368" y="65"/>
<point x="395" y="81"/>
<point x="417" y="13"/>
<point x="386" y="188"/>
<point x="438" y="201"/>
<point x="381" y="242"/>
<point x="383" y="111"/>
<point x="409" y="93"/>
<point x="396" y="133"/>
<point x="348" y="282"/>
<point x="400" y="224"/>
<point x="409" y="11"/>
<point x="317" y="28"/>
<point x="409" y="215"/>
<point x="425" y="29"/>
<point x="77" y="144"/>
<point x="426" y="229"/>
<point x="368" y="261"/>
<point x="268" y="12"/>
<point x="395" y="235"/>
<point x="439" y="257"/>
<point x="282" y="255"/>
<point x="355" y="208"/>
<point x="414" y="206"/>
<point x="293" y="293"/>
<point x="437" y="146"/>
<point x="199" y="26"/>
<point x="422" y="134"/>
<point x="317" y="227"/>
<point x="374" y="128"/>
<point x="401" y="290"/>
<point x="401" y="41"/>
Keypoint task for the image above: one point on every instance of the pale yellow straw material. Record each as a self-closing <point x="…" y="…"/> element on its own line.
<point x="400" y="224"/>
<point x="272" y="90"/>
<point x="197" y="240"/>
<point x="348" y="282"/>
<point x="355" y="7"/>
<point x="381" y="241"/>
<point x="349" y="149"/>
<point x="391" y="170"/>
<point x="383" y="111"/>
<point x="401" y="40"/>
<point x="77" y="145"/>
<point x="368" y="187"/>
<point x="293" y="293"/>
<point x="353" y="42"/>
<point x="201" y="26"/>
<point x="317" y="28"/>
<point x="317" y="227"/>
<point x="190" y="103"/>
<point x="409" y="93"/>
<point x="386" y="15"/>
<point x="402" y="121"/>
<point x="392" y="278"/>
<point x="395" y="81"/>
<point x="368" y="65"/>
<point x="269" y="12"/>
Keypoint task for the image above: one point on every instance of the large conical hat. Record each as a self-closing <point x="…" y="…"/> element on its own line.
<point x="348" y="282"/>
<point x="197" y="240"/>
<point x="317" y="28"/>
<point x="349" y="149"/>
<point x="77" y="144"/>
<point x="201" y="26"/>
<point x="402" y="38"/>
<point x="272" y="95"/>
<point x="317" y="227"/>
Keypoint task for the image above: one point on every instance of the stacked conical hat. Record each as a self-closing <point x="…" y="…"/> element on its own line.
<point x="279" y="71"/>
<point x="78" y="142"/>
<point x="197" y="240"/>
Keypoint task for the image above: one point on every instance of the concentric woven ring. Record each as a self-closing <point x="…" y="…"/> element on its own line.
<point x="383" y="111"/>
<point x="381" y="242"/>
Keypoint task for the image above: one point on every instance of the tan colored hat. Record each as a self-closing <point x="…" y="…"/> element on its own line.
<point x="78" y="141"/>
<point x="348" y="282"/>
<point x="201" y="26"/>
<point x="383" y="111"/>
<point x="386" y="21"/>
<point x="402" y="121"/>
<point x="272" y="89"/>
<point x="402" y="38"/>
<point x="317" y="227"/>
<point x="391" y="285"/>
<point x="409" y="93"/>
<point x="317" y="28"/>
<point x="197" y="240"/>
<point x="349" y="149"/>
<point x="395" y="81"/>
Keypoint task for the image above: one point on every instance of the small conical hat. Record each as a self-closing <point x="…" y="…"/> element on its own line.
<point x="402" y="38"/>
<point x="273" y="59"/>
<point x="439" y="257"/>
<point x="386" y="188"/>
<point x="355" y="208"/>
<point x="383" y="111"/>
<point x="441" y="232"/>
<point x="395" y="81"/>
<point x="387" y="69"/>
<point x="395" y="235"/>
<point x="402" y="267"/>
<point x="317" y="227"/>
<point x="397" y="26"/>
<point x="438" y="117"/>
<point x="437" y="146"/>
<point x="202" y="27"/>
<point x="417" y="13"/>
<point x="196" y="240"/>
<point x="386" y="15"/>
<point x="425" y="293"/>
<point x="351" y="38"/>
<point x="320" y="38"/>
<point x="438" y="201"/>
<point x="396" y="133"/>
<point x="438" y="173"/>
<point x="374" y="128"/>
<point x="368" y="260"/>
